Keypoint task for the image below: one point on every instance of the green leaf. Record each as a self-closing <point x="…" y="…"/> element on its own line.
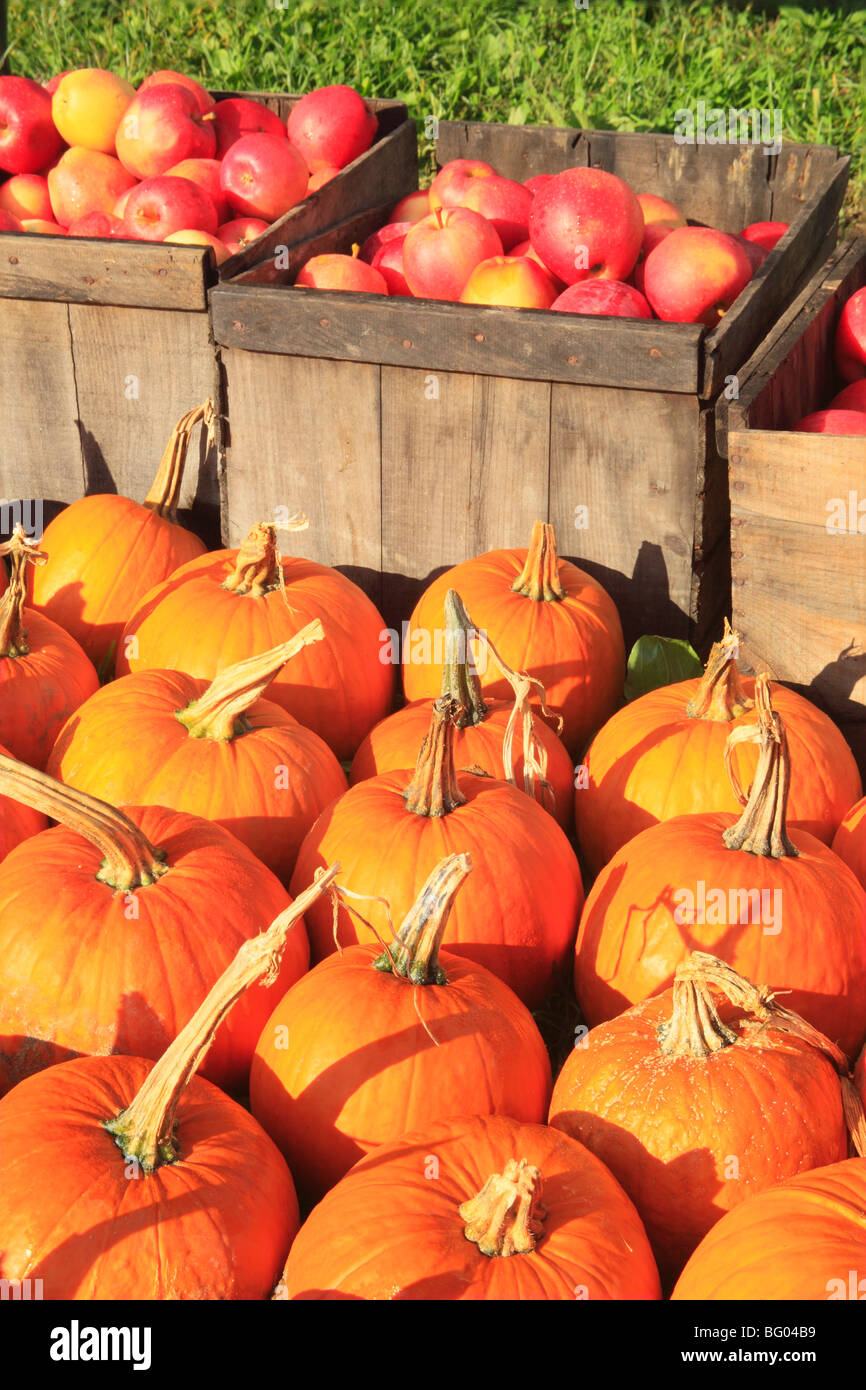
<point x="657" y="661"/>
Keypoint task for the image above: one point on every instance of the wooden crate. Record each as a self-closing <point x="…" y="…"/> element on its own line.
<point x="799" y="589"/>
<point x="415" y="434"/>
<point x="107" y="343"/>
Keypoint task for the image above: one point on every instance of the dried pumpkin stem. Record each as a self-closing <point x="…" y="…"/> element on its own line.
<point x="130" y="861"/>
<point x="762" y="827"/>
<point x="21" y="552"/>
<point x="721" y="695"/>
<point x="219" y="712"/>
<point x="258" y="567"/>
<point x="694" y="1028"/>
<point x="415" y="954"/>
<point x="145" y="1131"/>
<point x="539" y="578"/>
<point x="433" y="790"/>
<point x="507" y="1216"/>
<point x="165" y="492"/>
<point x="459" y="678"/>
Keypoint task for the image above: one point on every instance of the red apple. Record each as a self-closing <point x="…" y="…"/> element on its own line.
<point x="587" y="224"/>
<point x="333" y="272"/>
<point x="610" y="297"/>
<point x="321" y="177"/>
<point x="119" y="209"/>
<point x="388" y="260"/>
<point x="206" y="173"/>
<point x="160" y="206"/>
<point x="504" y="203"/>
<point x="852" y="397"/>
<point x="651" y="238"/>
<point x="513" y="282"/>
<point x="833" y="422"/>
<point x="190" y="236"/>
<point x="756" y="253"/>
<point x="85" y="181"/>
<point x="263" y="176"/>
<point x="29" y="138"/>
<point x="537" y="182"/>
<point x="166" y="75"/>
<point x="43" y="226"/>
<point x="659" y="212"/>
<point x="100" y="224"/>
<point x="850" y="342"/>
<point x="765" y="234"/>
<point x="9" y="222"/>
<point x="240" y="231"/>
<point x="525" y="248"/>
<point x="695" y="274"/>
<point x="332" y="125"/>
<point x="237" y="116"/>
<point x="441" y="251"/>
<point x="26" y="195"/>
<point x="454" y="178"/>
<point x="412" y="208"/>
<point x="160" y="127"/>
<point x="377" y="240"/>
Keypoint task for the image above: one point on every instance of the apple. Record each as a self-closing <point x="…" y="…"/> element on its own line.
<point x="525" y="248"/>
<point x="765" y="234"/>
<point x="503" y="202"/>
<point x="335" y="272"/>
<point x="87" y="107"/>
<point x="237" y="116"/>
<point x="99" y="224"/>
<point x="84" y="181"/>
<point x="206" y="173"/>
<point x="511" y="281"/>
<point x="240" y="231"/>
<point x="166" y="75"/>
<point x="43" y="226"/>
<point x="852" y="397"/>
<point x="321" y="177"/>
<point x="377" y="240"/>
<point x="659" y="212"/>
<point x="388" y="260"/>
<point x="331" y="126"/>
<point x="9" y="222"/>
<point x="263" y="176"/>
<point x="833" y="422"/>
<point x="119" y="209"/>
<point x="29" y="138"/>
<point x="850" y="341"/>
<point x="160" y="206"/>
<point x="441" y="251"/>
<point x="454" y="178"/>
<point x="189" y="236"/>
<point x="161" y="127"/>
<point x="26" y="195"/>
<point x="587" y="224"/>
<point x="412" y="208"/>
<point x="651" y="238"/>
<point x="54" y="82"/>
<point x="611" y="297"/>
<point x="756" y="253"/>
<point x="695" y="274"/>
<point x="537" y="182"/>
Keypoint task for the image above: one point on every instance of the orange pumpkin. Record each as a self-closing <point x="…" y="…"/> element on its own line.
<point x="517" y="914"/>
<point x="776" y="906"/>
<point x="105" y="552"/>
<point x="114" y="926"/>
<point x="849" y="842"/>
<point x="546" y="617"/>
<point x="674" y="1096"/>
<point x="232" y="604"/>
<point x="215" y="750"/>
<point x="370" y="1044"/>
<point x="485" y="730"/>
<point x="17" y="821"/>
<point x="474" y="1208"/>
<point x="802" y="1239"/>
<point x="662" y="756"/>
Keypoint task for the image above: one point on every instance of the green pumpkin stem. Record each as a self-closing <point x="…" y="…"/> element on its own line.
<point x="415" y="955"/>
<point x="220" y="712"/>
<point x="762" y="827"/>
<point x="460" y="680"/>
<point x="165" y="492"/>
<point x="21" y="552"/>
<point x="146" y="1130"/>
<point x="721" y="695"/>
<point x="507" y="1216"/>
<point x="539" y="578"/>
<point x="433" y="790"/>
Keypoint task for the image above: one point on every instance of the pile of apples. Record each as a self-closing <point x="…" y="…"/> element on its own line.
<point x="580" y="242"/>
<point x="846" y="412"/>
<point x="90" y="156"/>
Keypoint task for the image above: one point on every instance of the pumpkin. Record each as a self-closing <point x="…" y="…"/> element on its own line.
<point x="696" y="1102"/>
<point x="662" y="756"/>
<point x="484" y="729"/>
<point x="106" y="552"/>
<point x="44" y="674"/>
<point x="215" y="750"/>
<point x="779" y="907"/>
<point x="232" y="604"/>
<point x="849" y="842"/>
<point x="113" y="926"/>
<point x="121" y="1179"/>
<point x="370" y="1044"/>
<point x="518" y="912"/>
<point x="546" y="616"/>
<point x="479" y="1207"/>
<point x="17" y="821"/>
<point x="802" y="1239"/>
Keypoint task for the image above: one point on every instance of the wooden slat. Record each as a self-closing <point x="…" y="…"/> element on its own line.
<point x="800" y="172"/>
<point x="282" y="269"/>
<point x="99" y="270"/>
<point x="516" y="152"/>
<point x="40" y="449"/>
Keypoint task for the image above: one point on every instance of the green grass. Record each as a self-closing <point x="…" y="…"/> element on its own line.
<point x="625" y="66"/>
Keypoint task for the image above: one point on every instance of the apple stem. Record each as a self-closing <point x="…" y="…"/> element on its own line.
<point x="438" y="214"/>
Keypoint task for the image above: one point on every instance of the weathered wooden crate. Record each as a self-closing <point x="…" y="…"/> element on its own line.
<point x="415" y="434"/>
<point x="105" y="344"/>
<point x="799" y="582"/>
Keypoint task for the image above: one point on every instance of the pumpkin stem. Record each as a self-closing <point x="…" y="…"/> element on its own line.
<point x="415" y="955"/>
<point x="219" y="712"/>
<point x="761" y="828"/>
<point x="539" y="578"/>
<point x="721" y="695"/>
<point x="507" y="1215"/>
<point x="694" y="1028"/>
<point x="164" y="494"/>
<point x="433" y="790"/>
<point x="259" y="567"/>
<point x="130" y="860"/>
<point x="21" y="551"/>
<point x="460" y="679"/>
<point x="145" y="1130"/>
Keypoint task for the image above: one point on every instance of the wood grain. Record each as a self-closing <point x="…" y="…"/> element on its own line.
<point x="98" y="270"/>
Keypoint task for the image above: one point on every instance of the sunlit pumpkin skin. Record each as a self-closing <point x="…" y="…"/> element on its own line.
<point x="354" y="1055"/>
<point x="215" y="1225"/>
<point x="573" y="644"/>
<point x="17" y="822"/>
<point x="849" y="842"/>
<point x="690" y="1136"/>
<point x="392" y="1229"/>
<point x="652" y="761"/>
<point x="339" y="688"/>
<point x="799" y="1240"/>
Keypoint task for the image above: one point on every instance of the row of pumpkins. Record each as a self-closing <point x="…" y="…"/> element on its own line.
<point x="697" y="1138"/>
